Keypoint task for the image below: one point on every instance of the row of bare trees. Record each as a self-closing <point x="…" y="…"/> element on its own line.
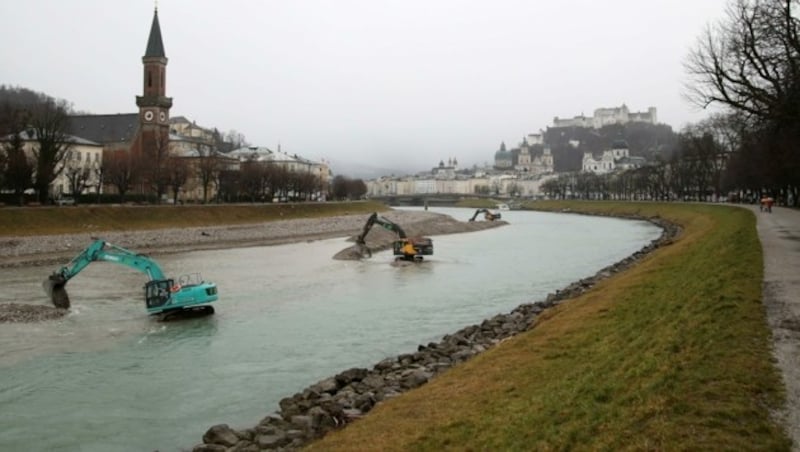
<point x="266" y="182"/>
<point x="345" y="188"/>
<point x="212" y="173"/>
<point x="748" y="65"/>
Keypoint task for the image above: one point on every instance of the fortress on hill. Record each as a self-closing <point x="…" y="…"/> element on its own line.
<point x="607" y="116"/>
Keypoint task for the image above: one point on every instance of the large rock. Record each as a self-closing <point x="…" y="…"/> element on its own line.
<point x="221" y="434"/>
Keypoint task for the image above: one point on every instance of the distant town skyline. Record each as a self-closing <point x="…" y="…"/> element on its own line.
<point x="390" y="85"/>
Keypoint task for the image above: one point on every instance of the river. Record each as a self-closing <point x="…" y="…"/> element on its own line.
<point x="107" y="377"/>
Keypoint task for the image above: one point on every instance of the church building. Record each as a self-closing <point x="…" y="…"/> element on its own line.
<point x="144" y="134"/>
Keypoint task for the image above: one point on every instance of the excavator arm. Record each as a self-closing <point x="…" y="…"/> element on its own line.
<point x="384" y="222"/>
<point x="101" y="250"/>
<point x="487" y="215"/>
<point x="162" y="294"/>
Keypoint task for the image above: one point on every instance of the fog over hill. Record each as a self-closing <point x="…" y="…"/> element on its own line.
<point x="357" y="170"/>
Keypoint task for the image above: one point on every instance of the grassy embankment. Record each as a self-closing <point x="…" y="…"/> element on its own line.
<point x="673" y="354"/>
<point x="73" y="219"/>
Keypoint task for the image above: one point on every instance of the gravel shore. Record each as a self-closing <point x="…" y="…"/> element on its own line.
<point x="16" y="251"/>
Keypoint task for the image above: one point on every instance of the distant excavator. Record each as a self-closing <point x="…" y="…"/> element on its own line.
<point x="404" y="248"/>
<point x="168" y="298"/>
<point x="487" y="215"/>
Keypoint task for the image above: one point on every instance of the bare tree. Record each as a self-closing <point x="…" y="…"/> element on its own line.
<point x="78" y="178"/>
<point x="78" y="173"/>
<point x="252" y="180"/>
<point x="98" y="170"/>
<point x="121" y="170"/>
<point x="356" y="189"/>
<point x="15" y="106"/>
<point x="3" y="166"/>
<point x="339" y="187"/>
<point x="17" y="168"/>
<point x="749" y="62"/>
<point x="49" y="124"/>
<point x="154" y="166"/>
<point x="178" y="173"/>
<point x="208" y="168"/>
<point x="277" y="181"/>
<point x="228" y="185"/>
<point x="307" y="185"/>
<point x="750" y="65"/>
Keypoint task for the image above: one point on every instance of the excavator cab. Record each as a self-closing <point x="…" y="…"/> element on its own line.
<point x="157" y="293"/>
<point x="412" y="248"/>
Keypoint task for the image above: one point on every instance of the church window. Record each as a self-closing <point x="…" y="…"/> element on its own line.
<point x="149" y="79"/>
<point x="78" y="156"/>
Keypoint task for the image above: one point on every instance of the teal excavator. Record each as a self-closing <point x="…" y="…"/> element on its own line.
<point x="166" y="297"/>
<point x="404" y="248"/>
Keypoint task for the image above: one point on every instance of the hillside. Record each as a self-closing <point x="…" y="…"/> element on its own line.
<point x="644" y="140"/>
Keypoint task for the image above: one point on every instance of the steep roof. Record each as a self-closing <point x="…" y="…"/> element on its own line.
<point x="155" y="46"/>
<point x="105" y="129"/>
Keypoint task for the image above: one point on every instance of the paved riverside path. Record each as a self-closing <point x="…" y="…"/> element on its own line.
<point x="779" y="233"/>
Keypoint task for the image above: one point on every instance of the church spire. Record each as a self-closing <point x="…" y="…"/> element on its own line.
<point x="155" y="46"/>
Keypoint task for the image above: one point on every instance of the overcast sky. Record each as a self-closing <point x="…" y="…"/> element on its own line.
<point x="381" y="83"/>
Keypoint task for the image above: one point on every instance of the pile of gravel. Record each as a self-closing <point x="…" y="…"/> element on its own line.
<point x="24" y="313"/>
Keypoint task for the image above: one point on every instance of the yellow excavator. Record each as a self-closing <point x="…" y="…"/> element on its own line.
<point x="404" y="248"/>
<point x="487" y="215"/>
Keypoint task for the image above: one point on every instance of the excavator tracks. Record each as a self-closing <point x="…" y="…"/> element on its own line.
<point x="185" y="313"/>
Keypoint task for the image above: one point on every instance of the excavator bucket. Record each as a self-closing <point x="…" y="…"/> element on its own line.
<point x="55" y="287"/>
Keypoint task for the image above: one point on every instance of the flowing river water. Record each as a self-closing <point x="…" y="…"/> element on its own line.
<point x="107" y="377"/>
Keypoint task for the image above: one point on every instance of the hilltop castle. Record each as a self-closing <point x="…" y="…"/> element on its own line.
<point x="607" y="116"/>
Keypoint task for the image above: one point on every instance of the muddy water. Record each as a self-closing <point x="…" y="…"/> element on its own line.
<point x="107" y="377"/>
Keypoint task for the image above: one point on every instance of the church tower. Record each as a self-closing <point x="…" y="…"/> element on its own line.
<point x="154" y="104"/>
